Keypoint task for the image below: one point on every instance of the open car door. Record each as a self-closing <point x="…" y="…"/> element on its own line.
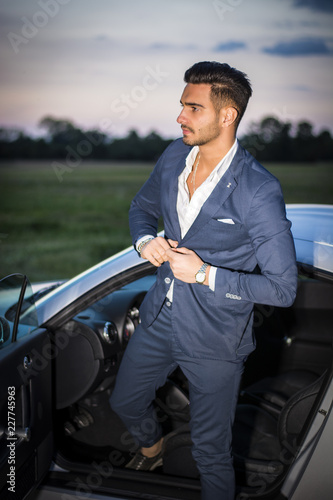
<point x="26" y="440"/>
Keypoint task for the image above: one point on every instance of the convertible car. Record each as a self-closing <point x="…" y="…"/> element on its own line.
<point x="61" y="344"/>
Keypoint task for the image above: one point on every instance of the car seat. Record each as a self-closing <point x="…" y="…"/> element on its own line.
<point x="272" y="393"/>
<point x="263" y="445"/>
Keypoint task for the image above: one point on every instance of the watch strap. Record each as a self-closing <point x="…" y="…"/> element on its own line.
<point x="201" y="270"/>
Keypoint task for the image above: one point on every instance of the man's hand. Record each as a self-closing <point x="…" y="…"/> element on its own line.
<point x="185" y="264"/>
<point x="155" y="250"/>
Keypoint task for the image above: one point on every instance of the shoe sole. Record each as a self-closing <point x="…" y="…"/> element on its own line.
<point x="158" y="463"/>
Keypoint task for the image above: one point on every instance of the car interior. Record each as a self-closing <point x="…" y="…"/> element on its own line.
<point x="283" y="381"/>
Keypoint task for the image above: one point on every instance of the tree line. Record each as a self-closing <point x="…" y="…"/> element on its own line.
<point x="268" y="140"/>
<point x="274" y="140"/>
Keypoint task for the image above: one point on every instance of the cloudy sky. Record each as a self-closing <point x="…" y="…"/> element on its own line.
<point x="119" y="64"/>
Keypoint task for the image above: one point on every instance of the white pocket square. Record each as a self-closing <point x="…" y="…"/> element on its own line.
<point x="226" y="221"/>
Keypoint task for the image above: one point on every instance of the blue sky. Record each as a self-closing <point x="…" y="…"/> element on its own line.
<point x="119" y="64"/>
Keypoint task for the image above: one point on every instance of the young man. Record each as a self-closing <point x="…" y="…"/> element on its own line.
<point x="227" y="246"/>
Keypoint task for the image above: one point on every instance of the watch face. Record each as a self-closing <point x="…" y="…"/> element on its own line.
<point x="200" y="277"/>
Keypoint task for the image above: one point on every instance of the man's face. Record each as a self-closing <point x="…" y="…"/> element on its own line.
<point x="198" y="119"/>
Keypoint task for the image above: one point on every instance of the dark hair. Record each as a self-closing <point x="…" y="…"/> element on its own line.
<point x="229" y="86"/>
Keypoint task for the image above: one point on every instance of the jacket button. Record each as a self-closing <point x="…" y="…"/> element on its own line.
<point x="167" y="281"/>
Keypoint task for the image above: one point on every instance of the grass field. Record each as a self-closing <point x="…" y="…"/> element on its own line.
<point x="51" y="229"/>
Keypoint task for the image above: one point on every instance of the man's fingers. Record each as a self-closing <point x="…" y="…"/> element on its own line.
<point x="157" y="261"/>
<point x="182" y="250"/>
<point x="170" y="254"/>
<point x="173" y="243"/>
<point x="158" y="250"/>
<point x="173" y="252"/>
<point x="155" y="251"/>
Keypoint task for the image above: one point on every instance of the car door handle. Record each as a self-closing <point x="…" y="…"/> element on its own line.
<point x="27" y="362"/>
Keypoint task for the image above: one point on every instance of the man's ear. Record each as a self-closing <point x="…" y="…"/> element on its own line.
<point x="229" y="115"/>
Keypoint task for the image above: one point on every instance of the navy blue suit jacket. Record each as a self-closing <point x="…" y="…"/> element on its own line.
<point x="255" y="256"/>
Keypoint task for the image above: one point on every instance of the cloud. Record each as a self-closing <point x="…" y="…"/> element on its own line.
<point x="300" y="88"/>
<point x="161" y="46"/>
<point x="101" y="38"/>
<point x="171" y="47"/>
<point x="316" y="5"/>
<point x="305" y="46"/>
<point x="230" y="46"/>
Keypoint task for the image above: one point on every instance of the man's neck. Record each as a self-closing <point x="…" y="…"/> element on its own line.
<point x="213" y="152"/>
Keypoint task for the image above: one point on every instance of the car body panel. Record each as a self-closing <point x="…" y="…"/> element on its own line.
<point x="312" y="228"/>
<point x="64" y="301"/>
<point x="312" y="469"/>
<point x="26" y="437"/>
<point x="58" y="299"/>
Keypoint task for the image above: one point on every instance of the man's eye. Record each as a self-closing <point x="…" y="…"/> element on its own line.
<point x="194" y="108"/>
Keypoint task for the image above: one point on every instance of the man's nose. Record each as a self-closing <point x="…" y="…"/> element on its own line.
<point x="181" y="117"/>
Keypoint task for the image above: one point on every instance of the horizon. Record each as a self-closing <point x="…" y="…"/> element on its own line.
<point x="45" y="135"/>
<point x="117" y="66"/>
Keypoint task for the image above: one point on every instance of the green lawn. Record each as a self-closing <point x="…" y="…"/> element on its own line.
<point x="312" y="183"/>
<point x="55" y="226"/>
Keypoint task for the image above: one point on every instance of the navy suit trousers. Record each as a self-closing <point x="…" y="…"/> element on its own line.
<point x="152" y="354"/>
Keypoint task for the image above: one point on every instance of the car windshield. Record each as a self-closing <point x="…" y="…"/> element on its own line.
<point x="18" y="315"/>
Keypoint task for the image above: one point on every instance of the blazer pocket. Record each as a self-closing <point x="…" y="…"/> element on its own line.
<point x="226" y="221"/>
<point x="219" y="225"/>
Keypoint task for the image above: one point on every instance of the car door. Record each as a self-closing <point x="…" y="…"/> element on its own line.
<point x="26" y="441"/>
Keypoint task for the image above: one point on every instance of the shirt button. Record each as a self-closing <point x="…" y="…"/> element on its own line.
<point x="168" y="303"/>
<point x="228" y="295"/>
<point x="167" y="281"/>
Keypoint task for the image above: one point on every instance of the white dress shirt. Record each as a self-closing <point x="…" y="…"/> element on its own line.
<point x="189" y="208"/>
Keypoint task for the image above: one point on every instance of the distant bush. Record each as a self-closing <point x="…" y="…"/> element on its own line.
<point x="268" y="140"/>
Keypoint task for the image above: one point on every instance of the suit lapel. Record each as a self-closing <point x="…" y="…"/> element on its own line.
<point x="218" y="197"/>
<point x="173" y="194"/>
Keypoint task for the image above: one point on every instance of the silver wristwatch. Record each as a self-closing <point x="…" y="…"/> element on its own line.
<point x="201" y="274"/>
